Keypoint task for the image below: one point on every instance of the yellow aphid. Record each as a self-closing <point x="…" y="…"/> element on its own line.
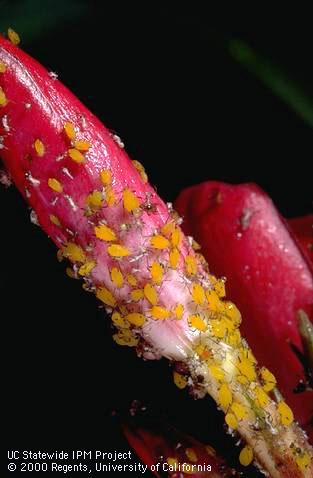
<point x="219" y="288"/>
<point x="231" y="421"/>
<point x="210" y="450"/>
<point x="86" y="268"/>
<point x="123" y="309"/>
<point x="150" y="294"/>
<point x="212" y="279"/>
<point x="125" y="338"/>
<point x="73" y="252"/>
<point x="178" y="311"/>
<point x="191" y="265"/>
<point x="141" y="170"/>
<point x="234" y="338"/>
<point x="159" y="242"/>
<point x="246" y="456"/>
<point x="214" y="302"/>
<point x="136" y="319"/>
<point x="2" y="67"/>
<point x="60" y="255"/>
<point x="119" y="321"/>
<point x="94" y="199"/>
<point x="116" y="250"/>
<point x="225" y="396"/>
<point x="137" y="295"/>
<point x="55" y="185"/>
<point x="179" y="380"/>
<point x="246" y="353"/>
<point x="168" y="228"/>
<point x="156" y="271"/>
<point x="242" y="379"/>
<point x="130" y="200"/>
<point x="197" y="322"/>
<point x="106" y="177"/>
<point x="82" y="145"/>
<point x="174" y="258"/>
<point x="218" y="328"/>
<point x="70" y="273"/>
<point x="105" y="233"/>
<point x="13" y="36"/>
<point x="3" y="98"/>
<point x="191" y="455"/>
<point x="39" y="147"/>
<point x="159" y="313"/>
<point x="76" y="155"/>
<point x="117" y="277"/>
<point x="216" y="372"/>
<point x="110" y="196"/>
<point x="232" y="312"/>
<point x="176" y="237"/>
<point x="246" y="368"/>
<point x="131" y="279"/>
<point x="303" y="460"/>
<point x="69" y="130"/>
<point x="199" y="349"/>
<point x="106" y="296"/>
<point x="268" y="379"/>
<point x="239" y="410"/>
<point x="172" y="461"/>
<point x="286" y="414"/>
<point x="55" y="220"/>
<point x="198" y="294"/>
<point x="261" y="397"/>
<point x="195" y="245"/>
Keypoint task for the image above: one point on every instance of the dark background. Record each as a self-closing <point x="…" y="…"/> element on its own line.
<point x="164" y="80"/>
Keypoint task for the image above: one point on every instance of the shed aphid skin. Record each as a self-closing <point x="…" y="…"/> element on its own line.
<point x="148" y="271"/>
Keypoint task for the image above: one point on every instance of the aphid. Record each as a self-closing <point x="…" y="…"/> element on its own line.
<point x="116" y="250"/>
<point x="225" y="396"/>
<point x="106" y="296"/>
<point x="39" y="147"/>
<point x="136" y="319"/>
<point x="86" y="268"/>
<point x="69" y="130"/>
<point x="156" y="271"/>
<point x="3" y="67"/>
<point x="179" y="380"/>
<point x="150" y="294"/>
<point x="159" y="242"/>
<point x="137" y="295"/>
<point x="105" y="233"/>
<point x="246" y="456"/>
<point x="117" y="277"/>
<point x="76" y="155"/>
<point x="130" y="201"/>
<point x="159" y="313"/>
<point x="55" y="185"/>
<point x="286" y="414"/>
<point x="178" y="311"/>
<point x="13" y="36"/>
<point x="197" y="322"/>
<point x="82" y="145"/>
<point x="231" y="421"/>
<point x="191" y="455"/>
<point x="3" y="98"/>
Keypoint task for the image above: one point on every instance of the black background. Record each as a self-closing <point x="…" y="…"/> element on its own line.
<point x="162" y="78"/>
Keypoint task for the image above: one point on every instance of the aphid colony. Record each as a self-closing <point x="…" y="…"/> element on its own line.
<point x="158" y="277"/>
